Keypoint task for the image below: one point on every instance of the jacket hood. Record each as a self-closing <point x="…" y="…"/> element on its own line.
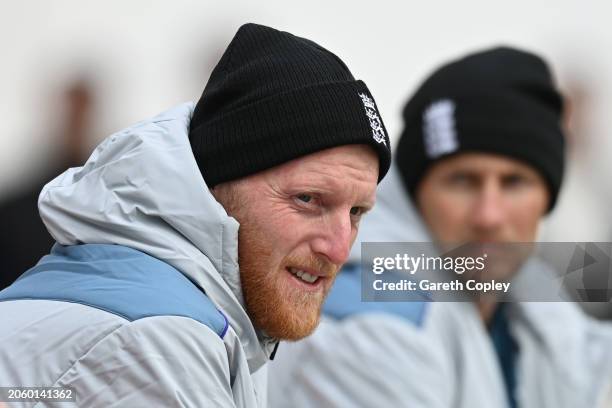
<point x="142" y="188"/>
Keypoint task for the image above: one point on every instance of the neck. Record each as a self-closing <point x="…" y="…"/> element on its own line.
<point x="486" y="307"/>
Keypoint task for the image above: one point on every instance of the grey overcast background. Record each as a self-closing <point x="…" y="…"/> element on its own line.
<point x="142" y="57"/>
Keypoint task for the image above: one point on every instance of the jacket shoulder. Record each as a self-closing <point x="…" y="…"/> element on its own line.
<point x="344" y="300"/>
<point x="118" y="280"/>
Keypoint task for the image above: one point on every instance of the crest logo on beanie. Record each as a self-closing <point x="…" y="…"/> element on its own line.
<point x="378" y="133"/>
<point x="439" y="128"/>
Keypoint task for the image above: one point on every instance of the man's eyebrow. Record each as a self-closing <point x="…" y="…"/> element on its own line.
<point x="368" y="202"/>
<point x="329" y="187"/>
<point x="367" y="209"/>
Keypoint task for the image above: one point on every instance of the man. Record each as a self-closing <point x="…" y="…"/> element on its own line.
<point x="481" y="158"/>
<point x="24" y="238"/>
<point x="161" y="292"/>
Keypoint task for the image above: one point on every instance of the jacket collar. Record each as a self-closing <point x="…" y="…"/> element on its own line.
<point x="142" y="188"/>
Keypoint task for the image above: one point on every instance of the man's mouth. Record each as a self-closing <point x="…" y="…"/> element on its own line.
<point x="303" y="275"/>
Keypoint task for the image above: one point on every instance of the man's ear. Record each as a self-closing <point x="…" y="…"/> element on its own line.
<point x="227" y="195"/>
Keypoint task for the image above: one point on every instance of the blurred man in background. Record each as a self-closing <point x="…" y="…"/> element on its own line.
<point x="190" y="243"/>
<point x="24" y="238"/>
<point x="481" y="158"/>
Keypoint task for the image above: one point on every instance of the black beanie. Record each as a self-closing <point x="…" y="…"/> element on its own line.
<point x="500" y="101"/>
<point x="274" y="97"/>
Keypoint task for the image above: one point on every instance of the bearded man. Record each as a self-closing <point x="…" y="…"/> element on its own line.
<point x="188" y="245"/>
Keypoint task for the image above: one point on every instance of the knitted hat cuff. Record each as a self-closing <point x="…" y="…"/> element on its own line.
<point x="286" y="126"/>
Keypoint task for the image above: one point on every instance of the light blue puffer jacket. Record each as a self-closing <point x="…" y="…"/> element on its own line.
<point x="139" y="303"/>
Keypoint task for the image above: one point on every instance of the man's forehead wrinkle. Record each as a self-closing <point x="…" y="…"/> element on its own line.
<point x="348" y="172"/>
<point x="330" y="182"/>
<point x="331" y="170"/>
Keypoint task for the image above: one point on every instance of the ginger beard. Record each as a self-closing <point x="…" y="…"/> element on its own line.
<point x="280" y="309"/>
<point x="297" y="221"/>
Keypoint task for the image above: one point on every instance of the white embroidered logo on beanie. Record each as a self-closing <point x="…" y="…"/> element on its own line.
<point x="378" y="133"/>
<point x="439" y="128"/>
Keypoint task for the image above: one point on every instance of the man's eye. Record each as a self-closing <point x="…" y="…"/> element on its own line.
<point x="304" y="197"/>
<point x="514" y="180"/>
<point x="462" y="180"/>
<point x="356" y="211"/>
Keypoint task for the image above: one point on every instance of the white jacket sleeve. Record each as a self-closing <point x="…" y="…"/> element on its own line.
<point x="368" y="360"/>
<point x="153" y="362"/>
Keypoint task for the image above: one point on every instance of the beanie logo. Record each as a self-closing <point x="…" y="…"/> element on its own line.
<point x="439" y="128"/>
<point x="378" y="133"/>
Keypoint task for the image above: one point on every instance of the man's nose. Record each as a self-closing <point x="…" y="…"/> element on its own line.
<point x="335" y="238"/>
<point x="489" y="210"/>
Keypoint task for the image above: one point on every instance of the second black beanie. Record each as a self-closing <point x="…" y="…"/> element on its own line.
<point x="501" y="100"/>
